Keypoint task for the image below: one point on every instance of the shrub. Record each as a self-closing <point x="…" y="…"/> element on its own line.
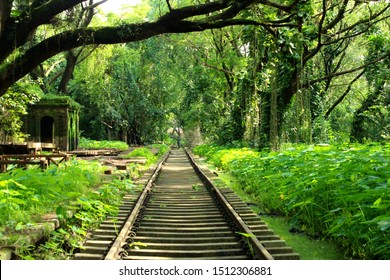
<point x="85" y="143"/>
<point x="336" y="192"/>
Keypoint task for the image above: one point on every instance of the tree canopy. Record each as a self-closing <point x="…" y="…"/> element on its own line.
<point x="20" y="19"/>
<point x="259" y="71"/>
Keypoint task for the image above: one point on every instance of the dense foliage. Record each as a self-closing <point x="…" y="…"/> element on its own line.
<point x="22" y="49"/>
<point x="13" y="107"/>
<point x="26" y="195"/>
<point x="85" y="143"/>
<point x="255" y="73"/>
<point x="128" y="96"/>
<point x="151" y="153"/>
<point x="284" y="71"/>
<point x="335" y="192"/>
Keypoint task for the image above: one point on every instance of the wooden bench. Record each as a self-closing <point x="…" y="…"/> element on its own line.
<point x="21" y="164"/>
<point x="35" y="147"/>
<point x="26" y="148"/>
<point x="31" y="159"/>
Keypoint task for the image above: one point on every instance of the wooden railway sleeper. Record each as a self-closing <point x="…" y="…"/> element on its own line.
<point x="254" y="225"/>
<point x="231" y="222"/>
<point x="116" y="251"/>
<point x="259" y="250"/>
<point x="228" y="218"/>
<point x="244" y="234"/>
<point x="136" y="225"/>
<point x="129" y="240"/>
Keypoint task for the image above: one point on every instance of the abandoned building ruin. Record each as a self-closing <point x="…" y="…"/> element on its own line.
<point x="53" y="123"/>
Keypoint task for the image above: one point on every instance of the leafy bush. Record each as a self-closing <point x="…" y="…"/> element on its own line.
<point x="161" y="149"/>
<point x="26" y="195"/>
<point x="91" y="211"/>
<point x="150" y="153"/>
<point x="143" y="153"/>
<point x="85" y="143"/>
<point x="336" y="192"/>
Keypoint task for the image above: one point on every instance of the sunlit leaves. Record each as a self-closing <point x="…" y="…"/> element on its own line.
<point x="333" y="192"/>
<point x="33" y="193"/>
<point x="85" y="143"/>
<point x="13" y="106"/>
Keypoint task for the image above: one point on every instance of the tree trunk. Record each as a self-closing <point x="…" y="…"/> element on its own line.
<point x="5" y="10"/>
<point x="264" y="121"/>
<point x="71" y="61"/>
<point x="274" y="121"/>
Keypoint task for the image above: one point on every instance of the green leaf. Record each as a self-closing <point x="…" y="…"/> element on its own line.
<point x="61" y="214"/>
<point x="19" y="226"/>
<point x="245" y="234"/>
<point x="384" y="224"/>
<point x="378" y="202"/>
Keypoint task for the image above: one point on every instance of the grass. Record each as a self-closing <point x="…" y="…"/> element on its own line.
<point x="142" y="153"/>
<point x="307" y="247"/>
<point x="27" y="196"/>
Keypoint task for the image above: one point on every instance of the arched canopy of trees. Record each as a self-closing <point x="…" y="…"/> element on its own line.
<point x="255" y="71"/>
<point x="20" y="19"/>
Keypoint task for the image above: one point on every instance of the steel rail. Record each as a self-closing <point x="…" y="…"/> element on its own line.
<point x="120" y="241"/>
<point x="254" y="243"/>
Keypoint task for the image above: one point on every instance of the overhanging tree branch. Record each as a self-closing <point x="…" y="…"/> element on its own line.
<point x="337" y="18"/>
<point x="18" y="30"/>
<point x="193" y="18"/>
<point x="173" y="22"/>
<point x="369" y="21"/>
<point x="337" y="74"/>
<point x="341" y="98"/>
<point x="79" y="60"/>
<point x="312" y="53"/>
<point x="169" y="5"/>
<point x="356" y="33"/>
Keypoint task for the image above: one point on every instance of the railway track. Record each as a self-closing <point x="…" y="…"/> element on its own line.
<point x="179" y="214"/>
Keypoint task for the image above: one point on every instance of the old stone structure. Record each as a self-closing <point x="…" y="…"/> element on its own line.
<point x="53" y="122"/>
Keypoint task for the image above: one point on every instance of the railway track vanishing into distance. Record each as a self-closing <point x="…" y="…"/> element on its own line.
<point x="178" y="213"/>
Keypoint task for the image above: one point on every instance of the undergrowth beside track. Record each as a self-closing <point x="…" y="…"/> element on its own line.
<point x="75" y="192"/>
<point x="340" y="193"/>
<point x="26" y="195"/>
<point x="85" y="143"/>
<point x="151" y="153"/>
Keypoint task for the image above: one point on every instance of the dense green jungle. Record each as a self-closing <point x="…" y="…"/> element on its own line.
<point x="290" y="97"/>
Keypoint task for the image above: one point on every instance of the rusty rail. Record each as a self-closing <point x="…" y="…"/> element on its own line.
<point x="254" y="243"/>
<point x="120" y="241"/>
<point x="176" y="219"/>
